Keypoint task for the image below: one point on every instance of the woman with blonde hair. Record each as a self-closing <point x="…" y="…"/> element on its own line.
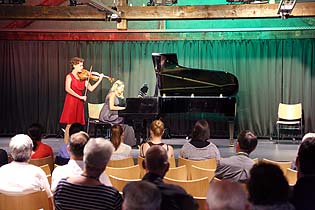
<point x="156" y="133"/>
<point x="114" y="102"/>
<point x="121" y="150"/>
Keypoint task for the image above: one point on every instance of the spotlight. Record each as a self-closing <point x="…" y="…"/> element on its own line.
<point x="74" y="3"/>
<point x="285" y="8"/>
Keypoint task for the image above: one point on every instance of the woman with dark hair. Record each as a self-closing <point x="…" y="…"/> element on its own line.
<point x="156" y="133"/>
<point x="268" y="188"/>
<point x="200" y="147"/>
<point x="40" y="150"/>
<point x="121" y="150"/>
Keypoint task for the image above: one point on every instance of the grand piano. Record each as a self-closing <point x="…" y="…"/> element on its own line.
<point x="183" y="90"/>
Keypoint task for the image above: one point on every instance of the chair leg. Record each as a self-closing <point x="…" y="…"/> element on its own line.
<point x="278" y="132"/>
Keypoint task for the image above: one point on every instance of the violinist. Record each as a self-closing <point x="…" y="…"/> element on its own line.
<point x="73" y="109"/>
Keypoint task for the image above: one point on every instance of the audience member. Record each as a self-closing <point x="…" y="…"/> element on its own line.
<point x="141" y="195"/>
<point x="64" y="155"/>
<point x="19" y="177"/>
<point x="173" y="196"/>
<point x="75" y="165"/>
<point x="308" y="135"/>
<point x="268" y="188"/>
<point x="122" y="150"/>
<point x="226" y="195"/>
<point x="156" y="133"/>
<point x="303" y="196"/>
<point x="40" y="150"/>
<point x="237" y="167"/>
<point x="3" y="157"/>
<point x="200" y="147"/>
<point x="86" y="191"/>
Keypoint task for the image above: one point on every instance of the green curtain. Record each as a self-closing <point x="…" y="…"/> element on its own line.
<point x="269" y="72"/>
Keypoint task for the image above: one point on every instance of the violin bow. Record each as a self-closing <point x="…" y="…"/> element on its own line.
<point x="88" y="81"/>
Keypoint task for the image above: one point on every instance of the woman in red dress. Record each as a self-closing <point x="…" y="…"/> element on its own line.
<point x="73" y="109"/>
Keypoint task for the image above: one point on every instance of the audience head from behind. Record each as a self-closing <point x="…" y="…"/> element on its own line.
<point x="305" y="160"/>
<point x="116" y="133"/>
<point x="246" y="142"/>
<point x="157" y="128"/>
<point x="35" y="131"/>
<point x="156" y="160"/>
<point x="97" y="153"/>
<point x="141" y="195"/>
<point x="201" y="131"/>
<point x="268" y="186"/>
<point x="77" y="143"/>
<point x="75" y="128"/>
<point x="21" y="147"/>
<point x="226" y="195"/>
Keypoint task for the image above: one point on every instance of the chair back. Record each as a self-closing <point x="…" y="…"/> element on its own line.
<point x="126" y="162"/>
<point x="256" y="160"/>
<point x="32" y="201"/>
<point x="202" y="203"/>
<point x="131" y="172"/>
<point x="120" y="183"/>
<point x="46" y="169"/>
<point x="196" y="188"/>
<point x="290" y="111"/>
<point x="291" y="176"/>
<point x="198" y="173"/>
<point x="207" y="164"/>
<point x="94" y="110"/>
<point x="42" y="161"/>
<point x="178" y="173"/>
<point x="142" y="170"/>
<point x="282" y="164"/>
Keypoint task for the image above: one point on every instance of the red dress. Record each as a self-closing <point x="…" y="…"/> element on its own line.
<point x="73" y="108"/>
<point x="42" y="150"/>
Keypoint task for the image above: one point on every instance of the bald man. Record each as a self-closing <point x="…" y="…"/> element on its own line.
<point x="173" y="196"/>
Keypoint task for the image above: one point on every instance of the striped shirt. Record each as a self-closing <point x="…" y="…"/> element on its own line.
<point x="70" y="196"/>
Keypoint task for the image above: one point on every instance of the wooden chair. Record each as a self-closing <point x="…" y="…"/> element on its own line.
<point x="131" y="172"/>
<point x="291" y="176"/>
<point x="196" y="188"/>
<point x="290" y="118"/>
<point x="202" y="202"/>
<point x="142" y="170"/>
<point x="46" y="169"/>
<point x="42" y="161"/>
<point x="256" y="160"/>
<point x="207" y="164"/>
<point x="120" y="183"/>
<point x="32" y="201"/>
<point x="198" y="173"/>
<point x="282" y="164"/>
<point x="121" y="163"/>
<point x="178" y="173"/>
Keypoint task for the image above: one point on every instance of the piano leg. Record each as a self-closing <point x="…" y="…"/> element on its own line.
<point x="231" y="132"/>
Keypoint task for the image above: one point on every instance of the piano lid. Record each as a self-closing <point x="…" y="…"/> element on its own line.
<point x="176" y="80"/>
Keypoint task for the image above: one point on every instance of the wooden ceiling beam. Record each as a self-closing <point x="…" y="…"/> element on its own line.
<point x="85" y="12"/>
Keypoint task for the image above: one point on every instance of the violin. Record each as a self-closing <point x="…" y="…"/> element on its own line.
<point x="86" y="75"/>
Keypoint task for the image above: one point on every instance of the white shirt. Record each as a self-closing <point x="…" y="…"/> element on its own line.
<point x="73" y="168"/>
<point x="122" y="152"/>
<point x="21" y="178"/>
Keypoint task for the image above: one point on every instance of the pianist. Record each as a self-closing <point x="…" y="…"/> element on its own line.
<point x="114" y="102"/>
